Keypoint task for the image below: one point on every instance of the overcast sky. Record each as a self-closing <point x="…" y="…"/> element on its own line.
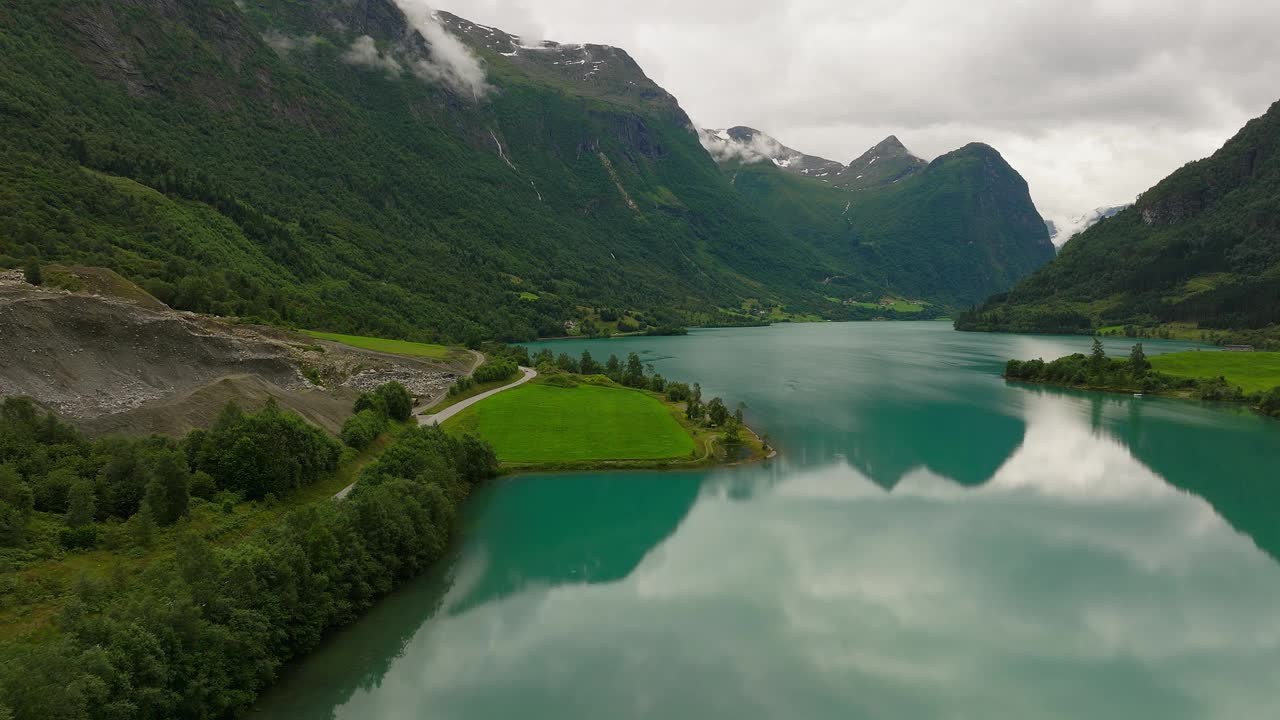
<point x="1093" y="101"/>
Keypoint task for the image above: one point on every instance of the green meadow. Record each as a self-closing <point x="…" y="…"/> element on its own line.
<point x="538" y="423"/>
<point x="395" y="347"/>
<point x="1252" y="372"/>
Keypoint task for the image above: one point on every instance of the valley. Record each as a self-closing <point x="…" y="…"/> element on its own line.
<point x="360" y="359"/>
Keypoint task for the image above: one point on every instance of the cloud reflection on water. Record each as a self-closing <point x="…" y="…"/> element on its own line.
<point x="1075" y="583"/>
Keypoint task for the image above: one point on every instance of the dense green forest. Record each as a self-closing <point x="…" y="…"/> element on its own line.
<point x="199" y="631"/>
<point x="233" y="158"/>
<point x="1200" y="249"/>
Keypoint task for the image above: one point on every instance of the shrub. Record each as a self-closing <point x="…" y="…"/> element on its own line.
<point x="361" y="429"/>
<point x="81" y="538"/>
<point x="396" y="400"/>
<point x="1270" y="403"/>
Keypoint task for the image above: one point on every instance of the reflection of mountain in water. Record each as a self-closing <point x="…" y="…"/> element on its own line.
<point x="1216" y="462"/>
<point x="575" y="529"/>
<point x="961" y="441"/>
<point x="578" y="529"/>
<point x="1210" y="453"/>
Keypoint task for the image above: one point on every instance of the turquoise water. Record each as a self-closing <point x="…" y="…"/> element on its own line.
<point x="932" y="542"/>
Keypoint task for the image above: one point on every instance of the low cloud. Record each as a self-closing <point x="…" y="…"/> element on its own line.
<point x="364" y="52"/>
<point x="723" y="148"/>
<point x="285" y="44"/>
<point x="1092" y="102"/>
<point x="452" y="63"/>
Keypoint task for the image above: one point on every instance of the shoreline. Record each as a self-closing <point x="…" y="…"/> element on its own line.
<point x="1139" y="394"/>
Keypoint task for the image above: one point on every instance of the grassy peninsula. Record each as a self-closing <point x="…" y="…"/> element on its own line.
<point x="580" y="414"/>
<point x="1251" y="378"/>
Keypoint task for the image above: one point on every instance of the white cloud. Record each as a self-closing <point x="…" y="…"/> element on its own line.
<point x="364" y="52"/>
<point x="1092" y="102"/>
<point x="452" y="63"/>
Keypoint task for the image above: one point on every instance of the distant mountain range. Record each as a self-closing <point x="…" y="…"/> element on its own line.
<point x="951" y="231"/>
<point x="887" y="162"/>
<point x="343" y="165"/>
<point x="1201" y="248"/>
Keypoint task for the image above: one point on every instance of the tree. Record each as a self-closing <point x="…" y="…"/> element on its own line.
<point x="168" y="485"/>
<point x="361" y="429"/>
<point x="82" y="505"/>
<point x="16" y="506"/>
<point x="396" y="401"/>
<point x="143" y="526"/>
<point x="33" y="273"/>
<point x="717" y="412"/>
<point x="588" y="365"/>
<point x="1138" y="363"/>
<point x="566" y="363"/>
<point x="1098" y="358"/>
<point x="634" y="375"/>
<point x="613" y="368"/>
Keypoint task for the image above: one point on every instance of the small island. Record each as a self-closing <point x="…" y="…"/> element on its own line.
<point x="1249" y="378"/>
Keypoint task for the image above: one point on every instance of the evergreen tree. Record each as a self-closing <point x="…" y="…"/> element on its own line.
<point x="588" y="365"/>
<point x="1098" y="357"/>
<point x="634" y="374"/>
<point x="143" y="526"/>
<point x="82" y="505"/>
<point x="613" y="368"/>
<point x="1138" y="363"/>
<point x="168" y="486"/>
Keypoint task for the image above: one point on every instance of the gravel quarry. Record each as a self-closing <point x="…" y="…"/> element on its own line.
<point x="125" y="363"/>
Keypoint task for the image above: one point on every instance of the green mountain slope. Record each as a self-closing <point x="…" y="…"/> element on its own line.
<point x="240" y="162"/>
<point x="1202" y="247"/>
<point x="335" y="164"/>
<point x="953" y="232"/>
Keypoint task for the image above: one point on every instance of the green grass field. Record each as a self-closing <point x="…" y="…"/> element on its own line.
<point x="1253" y="372"/>
<point x="538" y="423"/>
<point x="898" y="305"/>
<point x="396" y="347"/>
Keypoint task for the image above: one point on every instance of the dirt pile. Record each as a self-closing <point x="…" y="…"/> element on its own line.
<point x="125" y="363"/>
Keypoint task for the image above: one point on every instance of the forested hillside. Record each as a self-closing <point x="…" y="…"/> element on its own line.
<point x="1200" y="249"/>
<point x="337" y="165"/>
<point x="954" y="232"/>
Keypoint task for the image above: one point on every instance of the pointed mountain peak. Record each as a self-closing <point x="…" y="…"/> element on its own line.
<point x="888" y="162"/>
<point x="891" y="143"/>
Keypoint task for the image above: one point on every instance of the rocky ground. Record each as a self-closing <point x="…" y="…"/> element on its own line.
<point x="112" y="359"/>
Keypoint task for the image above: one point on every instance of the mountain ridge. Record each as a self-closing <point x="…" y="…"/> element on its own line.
<point x="340" y="165"/>
<point x="1201" y="247"/>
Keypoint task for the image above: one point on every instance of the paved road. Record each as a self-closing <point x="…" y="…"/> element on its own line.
<point x="528" y="374"/>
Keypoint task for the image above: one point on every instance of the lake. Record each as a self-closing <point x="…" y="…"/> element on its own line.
<point x="932" y="542"/>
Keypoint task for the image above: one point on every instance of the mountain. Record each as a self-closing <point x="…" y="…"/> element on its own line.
<point x="743" y="145"/>
<point x="1060" y="234"/>
<point x="886" y="163"/>
<point x="1201" y="248"/>
<point x="952" y="231"/>
<point x="345" y="165"/>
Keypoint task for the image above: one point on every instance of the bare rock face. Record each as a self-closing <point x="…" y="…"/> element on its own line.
<point x="113" y="364"/>
<point x="85" y="356"/>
